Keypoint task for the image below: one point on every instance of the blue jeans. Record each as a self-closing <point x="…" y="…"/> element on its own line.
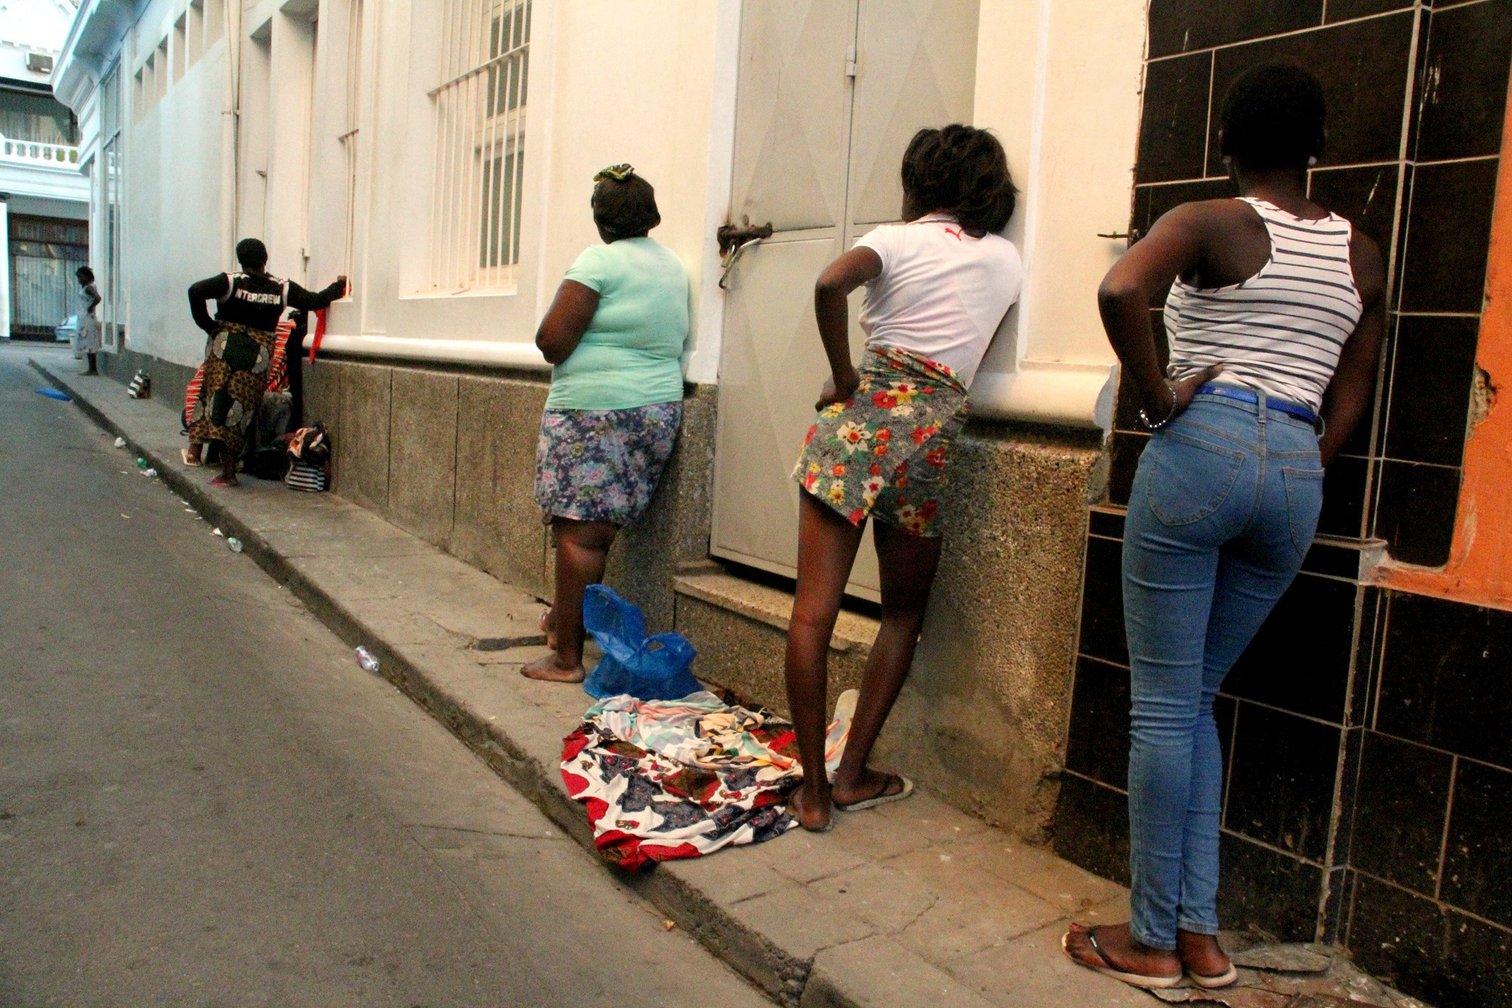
<point x="1223" y="508"/>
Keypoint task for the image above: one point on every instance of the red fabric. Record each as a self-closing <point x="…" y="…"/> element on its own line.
<point x="320" y="324"/>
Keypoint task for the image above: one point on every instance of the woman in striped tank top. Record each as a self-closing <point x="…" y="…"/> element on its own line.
<point x="1274" y="318"/>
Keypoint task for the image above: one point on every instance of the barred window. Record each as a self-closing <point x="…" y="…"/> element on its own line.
<point x="480" y="144"/>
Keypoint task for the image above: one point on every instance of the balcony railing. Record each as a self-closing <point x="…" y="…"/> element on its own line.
<point x="32" y="152"/>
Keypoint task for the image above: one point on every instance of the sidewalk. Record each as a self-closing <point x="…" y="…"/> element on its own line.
<point x="910" y="904"/>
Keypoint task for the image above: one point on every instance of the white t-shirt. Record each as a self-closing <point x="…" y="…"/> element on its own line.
<point x="941" y="293"/>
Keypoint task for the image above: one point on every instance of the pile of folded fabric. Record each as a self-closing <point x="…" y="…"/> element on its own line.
<point x="667" y="779"/>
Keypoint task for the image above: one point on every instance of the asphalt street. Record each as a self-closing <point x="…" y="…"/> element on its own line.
<point x="204" y="801"/>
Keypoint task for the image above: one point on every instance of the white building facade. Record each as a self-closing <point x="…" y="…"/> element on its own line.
<point x="43" y="196"/>
<point x="441" y="153"/>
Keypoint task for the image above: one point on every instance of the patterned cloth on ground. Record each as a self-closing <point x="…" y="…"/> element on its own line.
<point x="668" y="779"/>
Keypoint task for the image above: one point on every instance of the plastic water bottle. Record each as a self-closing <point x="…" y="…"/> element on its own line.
<point x="235" y="544"/>
<point x="366" y="659"/>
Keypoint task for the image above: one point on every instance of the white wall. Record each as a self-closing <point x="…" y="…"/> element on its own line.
<point x="644" y="81"/>
<point x="609" y="81"/>
<point x="1059" y="80"/>
<point x="176" y="175"/>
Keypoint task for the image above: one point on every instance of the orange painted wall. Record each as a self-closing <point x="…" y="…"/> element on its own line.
<point x="1479" y="570"/>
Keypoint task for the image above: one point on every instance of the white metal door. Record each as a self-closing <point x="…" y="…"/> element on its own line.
<point x="829" y="94"/>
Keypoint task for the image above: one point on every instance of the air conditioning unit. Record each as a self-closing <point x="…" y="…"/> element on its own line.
<point x="39" y="62"/>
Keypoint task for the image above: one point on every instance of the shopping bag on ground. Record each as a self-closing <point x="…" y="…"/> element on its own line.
<point x="648" y="668"/>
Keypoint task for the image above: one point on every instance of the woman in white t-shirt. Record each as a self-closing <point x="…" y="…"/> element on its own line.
<point x="937" y="288"/>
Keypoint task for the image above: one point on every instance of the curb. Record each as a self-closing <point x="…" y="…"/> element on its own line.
<point x="777" y="974"/>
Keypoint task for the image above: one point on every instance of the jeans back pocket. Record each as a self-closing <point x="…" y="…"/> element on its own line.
<point x="1304" y="502"/>
<point x="1189" y="477"/>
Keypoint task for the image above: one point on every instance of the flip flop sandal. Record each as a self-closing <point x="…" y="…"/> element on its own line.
<point x="1143" y="980"/>
<point x="905" y="788"/>
<point x="1215" y="981"/>
<point x="221" y="481"/>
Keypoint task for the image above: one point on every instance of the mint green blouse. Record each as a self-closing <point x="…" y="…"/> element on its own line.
<point x="631" y="354"/>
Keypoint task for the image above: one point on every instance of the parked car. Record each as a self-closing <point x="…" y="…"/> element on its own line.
<point x="68" y="330"/>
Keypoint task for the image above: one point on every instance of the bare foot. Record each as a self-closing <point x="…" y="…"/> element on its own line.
<point x="1112" y="949"/>
<point x="548" y="669"/>
<point x="1204" y="959"/>
<point x="812" y="811"/>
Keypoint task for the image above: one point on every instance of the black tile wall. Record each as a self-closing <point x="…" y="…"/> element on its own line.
<point x="1105" y="521"/>
<point x="1447" y="958"/>
<point x="1402" y="804"/>
<point x="1465" y="82"/>
<point x="1431" y="370"/>
<point x="1361" y="65"/>
<point x="1443" y="677"/>
<point x="1102" y="631"/>
<point x="1127" y="447"/>
<point x="1314" y="680"/>
<point x="1371" y="629"/>
<point x="1282" y="779"/>
<point x="1415" y="511"/>
<point x="1344" y="10"/>
<point x="1345" y="487"/>
<point x="1477" y="854"/>
<point x="1098" y="743"/>
<point x="1366" y="196"/>
<point x="1150" y="201"/>
<point x="1187" y="25"/>
<point x="1272" y="892"/>
<point x="1476" y="970"/>
<point x="1396" y="935"/>
<point x="1091" y="827"/>
<point x="1173" y="130"/>
<point x="1443" y="266"/>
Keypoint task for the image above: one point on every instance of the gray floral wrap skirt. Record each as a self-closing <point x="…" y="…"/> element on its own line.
<point x="603" y="465"/>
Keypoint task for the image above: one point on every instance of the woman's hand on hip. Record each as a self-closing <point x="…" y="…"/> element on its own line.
<point x="1185" y="390"/>
<point x="837" y="389"/>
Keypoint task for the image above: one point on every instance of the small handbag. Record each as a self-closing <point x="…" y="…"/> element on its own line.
<point x="309" y="455"/>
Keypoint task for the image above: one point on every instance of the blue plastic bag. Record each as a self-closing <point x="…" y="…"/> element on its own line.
<point x="647" y="668"/>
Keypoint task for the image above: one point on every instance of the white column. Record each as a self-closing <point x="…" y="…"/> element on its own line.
<point x="5" y="269"/>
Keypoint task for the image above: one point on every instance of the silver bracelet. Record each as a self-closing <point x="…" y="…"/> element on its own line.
<point x="1155" y="425"/>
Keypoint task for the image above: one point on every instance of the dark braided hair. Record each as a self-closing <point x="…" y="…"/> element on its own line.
<point x="1272" y="118"/>
<point x="624" y="204"/>
<point x="963" y="171"/>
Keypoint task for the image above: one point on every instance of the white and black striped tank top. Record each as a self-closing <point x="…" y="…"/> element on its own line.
<point x="1279" y="332"/>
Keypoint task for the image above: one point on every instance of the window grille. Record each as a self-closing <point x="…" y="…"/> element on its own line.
<point x="480" y="144"/>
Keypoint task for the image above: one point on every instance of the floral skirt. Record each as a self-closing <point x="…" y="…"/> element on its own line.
<point x="236" y="366"/>
<point x="603" y="465"/>
<point x="883" y="451"/>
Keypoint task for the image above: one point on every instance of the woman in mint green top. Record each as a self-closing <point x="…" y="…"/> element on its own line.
<point x="615" y="336"/>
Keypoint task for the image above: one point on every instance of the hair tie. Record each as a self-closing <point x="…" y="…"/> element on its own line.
<point x="618" y="173"/>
